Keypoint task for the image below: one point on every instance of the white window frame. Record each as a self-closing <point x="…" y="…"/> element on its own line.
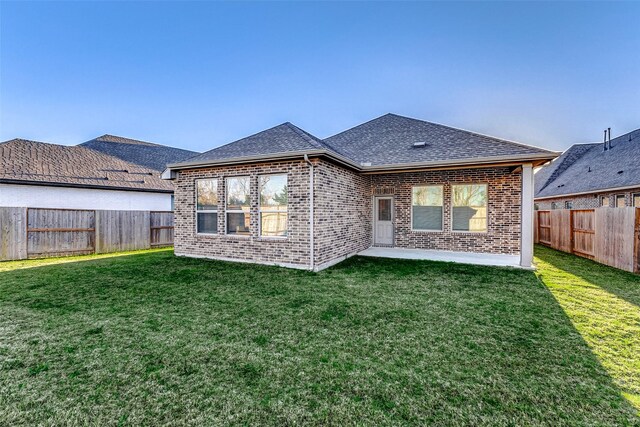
<point x="260" y="210"/>
<point x="227" y="211"/>
<point x="486" y="184"/>
<point x="602" y="199"/>
<point x="216" y="211"/>
<point x="425" y="230"/>
<point x="623" y="198"/>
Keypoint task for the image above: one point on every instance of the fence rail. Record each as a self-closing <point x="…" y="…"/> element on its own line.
<point x="46" y="232"/>
<point x="609" y="236"/>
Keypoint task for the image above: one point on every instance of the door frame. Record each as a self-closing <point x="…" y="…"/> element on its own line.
<point x="375" y="216"/>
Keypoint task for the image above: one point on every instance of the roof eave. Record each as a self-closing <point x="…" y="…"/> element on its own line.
<point x="596" y="190"/>
<point x="76" y="185"/>
<point x="522" y="158"/>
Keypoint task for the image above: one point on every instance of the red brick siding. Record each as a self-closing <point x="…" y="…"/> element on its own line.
<point x="504" y="204"/>
<point x="294" y="249"/>
<point x="342" y="212"/>
<point x="588" y="201"/>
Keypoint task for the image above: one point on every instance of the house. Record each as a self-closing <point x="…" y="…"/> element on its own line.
<point x="592" y="175"/>
<point x="142" y="153"/>
<point x="285" y="197"/>
<point x="38" y="174"/>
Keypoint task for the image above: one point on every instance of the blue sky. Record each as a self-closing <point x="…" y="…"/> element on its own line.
<point x="197" y="75"/>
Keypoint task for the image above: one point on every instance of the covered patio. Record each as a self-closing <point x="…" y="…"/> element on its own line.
<point x="476" y="258"/>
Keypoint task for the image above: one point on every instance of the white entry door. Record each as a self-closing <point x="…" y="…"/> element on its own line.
<point x="383" y="221"/>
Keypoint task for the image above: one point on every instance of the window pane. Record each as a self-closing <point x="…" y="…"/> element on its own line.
<point x="207" y="222"/>
<point x="238" y="193"/>
<point x="238" y="223"/>
<point x="469" y="207"/>
<point x="207" y="198"/>
<point x="605" y="201"/>
<point x="620" y="201"/>
<point x="384" y="209"/>
<point x="273" y="223"/>
<point x="636" y="200"/>
<point x="427" y="208"/>
<point x="273" y="192"/>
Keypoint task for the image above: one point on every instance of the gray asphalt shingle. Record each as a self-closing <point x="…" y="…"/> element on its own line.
<point x="386" y="140"/>
<point x="39" y="162"/>
<point x="587" y="167"/>
<point x="147" y="154"/>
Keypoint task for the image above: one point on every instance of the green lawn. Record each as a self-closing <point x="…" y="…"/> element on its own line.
<point x="151" y="339"/>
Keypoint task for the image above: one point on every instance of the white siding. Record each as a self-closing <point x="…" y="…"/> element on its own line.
<point x="38" y="196"/>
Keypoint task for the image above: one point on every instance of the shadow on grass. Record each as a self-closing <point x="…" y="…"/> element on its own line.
<point x="623" y="284"/>
<point x="602" y="305"/>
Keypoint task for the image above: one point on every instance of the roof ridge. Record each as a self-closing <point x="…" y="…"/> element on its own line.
<point x="567" y="159"/>
<point x="314" y="140"/>
<point x="472" y="132"/>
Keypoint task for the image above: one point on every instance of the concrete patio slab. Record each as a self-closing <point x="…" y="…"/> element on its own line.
<point x="461" y="257"/>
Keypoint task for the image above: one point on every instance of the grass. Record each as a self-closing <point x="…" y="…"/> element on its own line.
<point x="603" y="304"/>
<point x="151" y="339"/>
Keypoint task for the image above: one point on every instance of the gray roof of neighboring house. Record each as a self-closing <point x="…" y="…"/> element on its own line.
<point x="284" y="138"/>
<point x="23" y="161"/>
<point x="385" y="142"/>
<point x="587" y="168"/>
<point x="147" y="154"/>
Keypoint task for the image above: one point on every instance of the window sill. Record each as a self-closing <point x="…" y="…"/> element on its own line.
<point x="272" y="238"/>
<point x="469" y="232"/>
<point x="427" y="231"/>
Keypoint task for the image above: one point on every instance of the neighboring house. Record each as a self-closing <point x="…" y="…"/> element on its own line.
<point x="38" y="174"/>
<point x="146" y="154"/>
<point x="285" y="197"/>
<point x="592" y="175"/>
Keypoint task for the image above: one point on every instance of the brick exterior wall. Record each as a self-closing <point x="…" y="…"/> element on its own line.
<point x="291" y="251"/>
<point x="343" y="213"/>
<point x="588" y="201"/>
<point x="504" y="205"/>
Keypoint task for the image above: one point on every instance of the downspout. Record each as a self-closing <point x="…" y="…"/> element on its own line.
<point x="311" y="234"/>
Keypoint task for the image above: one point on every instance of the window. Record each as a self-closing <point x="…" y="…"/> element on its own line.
<point x="238" y="197"/>
<point x="620" y="202"/>
<point x="536" y="206"/>
<point x="426" y="208"/>
<point x="636" y="200"/>
<point x="207" y="206"/>
<point x="568" y="205"/>
<point x="469" y="207"/>
<point x="274" y="199"/>
<point x="554" y="205"/>
<point x="173" y="202"/>
<point x="604" y="201"/>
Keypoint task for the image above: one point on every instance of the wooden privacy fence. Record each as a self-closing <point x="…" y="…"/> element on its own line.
<point x="39" y="232"/>
<point x="610" y="236"/>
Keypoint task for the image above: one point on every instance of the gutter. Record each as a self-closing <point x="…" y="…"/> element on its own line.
<point x="311" y="233"/>
<point x="87" y="186"/>
<point x="168" y="173"/>
<point x="594" y="191"/>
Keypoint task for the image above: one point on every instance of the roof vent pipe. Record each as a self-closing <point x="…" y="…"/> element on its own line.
<point x="604" y="141"/>
<point x="609" y="144"/>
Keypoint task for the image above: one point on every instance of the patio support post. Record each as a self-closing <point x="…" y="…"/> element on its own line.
<point x="526" y="228"/>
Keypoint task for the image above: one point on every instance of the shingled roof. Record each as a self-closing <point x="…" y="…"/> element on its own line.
<point x="390" y="140"/>
<point x="147" y="154"/>
<point x="387" y="142"/>
<point x="281" y="139"/>
<point x="586" y="168"/>
<point x="23" y="161"/>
